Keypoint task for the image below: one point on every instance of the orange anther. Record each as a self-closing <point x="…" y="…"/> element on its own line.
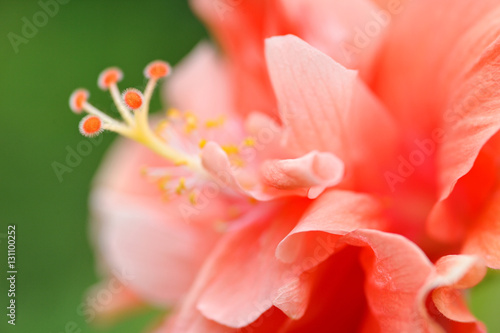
<point x="77" y="99"/>
<point x="133" y="98"/>
<point x="91" y="126"/>
<point x="157" y="69"/>
<point x="108" y="77"/>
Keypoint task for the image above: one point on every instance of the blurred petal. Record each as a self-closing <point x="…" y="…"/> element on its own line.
<point x="454" y="79"/>
<point x="249" y="278"/>
<point x="450" y="36"/>
<point x="132" y="223"/>
<point x="109" y="300"/>
<point x="479" y="122"/>
<point x="269" y="322"/>
<point x="200" y="84"/>
<point x="452" y="219"/>
<point x="133" y="238"/>
<point x="388" y="4"/>
<point x="216" y="162"/>
<point x="331" y="26"/>
<point x="483" y="238"/>
<point x="255" y="20"/>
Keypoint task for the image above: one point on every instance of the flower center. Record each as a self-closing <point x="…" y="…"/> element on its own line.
<point x="179" y="138"/>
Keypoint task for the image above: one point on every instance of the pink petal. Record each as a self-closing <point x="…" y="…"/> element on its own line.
<point x="451" y="275"/>
<point x="269" y="322"/>
<point x="456" y="85"/>
<point x="337" y="302"/>
<point x="132" y="238"/>
<point x="483" y="238"/>
<point x="334" y="214"/>
<point x="196" y="323"/>
<point x="312" y="173"/>
<point x="452" y="219"/>
<point x="479" y="123"/>
<point x="395" y="271"/>
<point x="255" y="20"/>
<point x="449" y="42"/>
<point x="268" y="135"/>
<point x="386" y="3"/>
<point x="325" y="106"/>
<point x="200" y="84"/>
<point x="246" y="278"/>
<point x="231" y="287"/>
<point x="252" y="291"/>
<point x="132" y="223"/>
<point x="109" y="300"/>
<point x="399" y="277"/>
<point x="333" y="27"/>
<point x="216" y="162"/>
<point x="257" y="121"/>
<point x="306" y="176"/>
<point x="329" y="25"/>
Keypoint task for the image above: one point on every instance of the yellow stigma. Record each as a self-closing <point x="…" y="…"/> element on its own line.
<point x="202" y="143"/>
<point x="173" y="113"/>
<point x="249" y="142"/>
<point x="237" y="161"/>
<point x="213" y="123"/>
<point x="231" y="149"/>
<point x="191" y="122"/>
<point x="162" y="183"/>
<point x="181" y="187"/>
<point x="179" y="163"/>
<point x="192" y="198"/>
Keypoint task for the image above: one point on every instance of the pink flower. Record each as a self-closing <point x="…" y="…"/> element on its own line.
<point x="346" y="180"/>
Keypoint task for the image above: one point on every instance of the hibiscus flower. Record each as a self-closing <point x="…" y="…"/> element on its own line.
<point x="335" y="169"/>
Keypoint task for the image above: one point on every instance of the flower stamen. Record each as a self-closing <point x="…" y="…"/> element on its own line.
<point x="90" y="126"/>
<point x="136" y="126"/>
<point x="133" y="98"/>
<point x="108" y="80"/>
<point x="157" y="70"/>
<point x="77" y="99"/>
<point x="109" y="77"/>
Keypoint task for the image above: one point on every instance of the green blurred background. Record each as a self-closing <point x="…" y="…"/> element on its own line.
<point x="54" y="260"/>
